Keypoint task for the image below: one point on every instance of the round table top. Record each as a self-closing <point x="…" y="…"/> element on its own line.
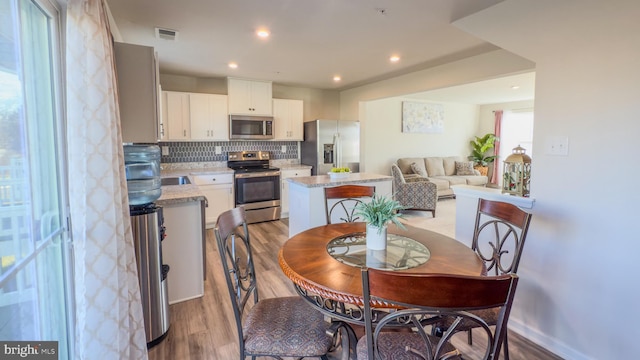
<point x="305" y="260"/>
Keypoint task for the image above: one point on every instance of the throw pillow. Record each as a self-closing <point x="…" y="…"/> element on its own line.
<point x="417" y="169"/>
<point x="464" y="168"/>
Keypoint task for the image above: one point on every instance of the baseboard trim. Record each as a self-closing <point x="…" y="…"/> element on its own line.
<point x="545" y="341"/>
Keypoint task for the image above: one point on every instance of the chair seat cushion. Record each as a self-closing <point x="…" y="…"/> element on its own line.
<point x="489" y="315"/>
<point x="286" y="326"/>
<point x="393" y="346"/>
<point x="414" y="178"/>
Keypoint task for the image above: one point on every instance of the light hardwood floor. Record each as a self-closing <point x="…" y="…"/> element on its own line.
<point x="204" y="328"/>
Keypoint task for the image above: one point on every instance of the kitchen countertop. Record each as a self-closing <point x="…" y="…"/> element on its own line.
<point x="198" y="171"/>
<point x="294" y="167"/>
<point x="325" y="180"/>
<point x="175" y="194"/>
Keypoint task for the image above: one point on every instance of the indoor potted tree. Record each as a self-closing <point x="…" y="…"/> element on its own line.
<point x="479" y="148"/>
<point x="378" y="213"/>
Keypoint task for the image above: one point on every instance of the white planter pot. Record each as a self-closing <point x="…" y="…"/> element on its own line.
<point x="376" y="238"/>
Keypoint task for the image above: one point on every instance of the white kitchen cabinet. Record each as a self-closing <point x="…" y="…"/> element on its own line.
<point x="249" y="97"/>
<point x="288" y="118"/>
<point x="284" y="187"/>
<point x="218" y="189"/>
<point x="137" y="72"/>
<point x="208" y="117"/>
<point x="175" y="115"/>
<point x="183" y="250"/>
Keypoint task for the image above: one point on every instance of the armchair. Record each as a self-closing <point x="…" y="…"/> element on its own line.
<point x="420" y="194"/>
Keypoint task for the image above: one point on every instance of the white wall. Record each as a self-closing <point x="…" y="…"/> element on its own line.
<point x="579" y="289"/>
<point x="384" y="141"/>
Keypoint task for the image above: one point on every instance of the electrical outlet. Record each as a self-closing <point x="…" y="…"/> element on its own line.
<point x="284" y="148"/>
<point x="218" y="150"/>
<point x="165" y="151"/>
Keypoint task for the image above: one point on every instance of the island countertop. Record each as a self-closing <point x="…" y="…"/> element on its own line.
<point x="307" y="202"/>
<point x="325" y="180"/>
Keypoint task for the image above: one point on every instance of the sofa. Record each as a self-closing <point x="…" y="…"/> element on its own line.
<point x="443" y="171"/>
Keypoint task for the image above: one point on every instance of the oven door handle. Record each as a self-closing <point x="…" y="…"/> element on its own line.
<point x="257" y="174"/>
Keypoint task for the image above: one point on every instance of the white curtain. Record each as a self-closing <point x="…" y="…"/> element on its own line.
<point x="108" y="319"/>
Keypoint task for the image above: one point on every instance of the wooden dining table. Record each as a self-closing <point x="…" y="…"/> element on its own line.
<point x="333" y="283"/>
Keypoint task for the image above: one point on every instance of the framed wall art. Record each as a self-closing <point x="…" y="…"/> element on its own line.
<point x="420" y="117"/>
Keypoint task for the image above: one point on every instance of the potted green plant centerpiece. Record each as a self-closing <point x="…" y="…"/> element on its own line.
<point x="479" y="147"/>
<point x="378" y="213"/>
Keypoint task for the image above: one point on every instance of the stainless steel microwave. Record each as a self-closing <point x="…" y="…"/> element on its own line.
<point x="247" y="127"/>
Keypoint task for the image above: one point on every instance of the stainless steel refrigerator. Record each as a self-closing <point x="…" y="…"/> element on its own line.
<point x="331" y="143"/>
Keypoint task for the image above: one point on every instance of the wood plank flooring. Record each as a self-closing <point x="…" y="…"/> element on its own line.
<point x="204" y="328"/>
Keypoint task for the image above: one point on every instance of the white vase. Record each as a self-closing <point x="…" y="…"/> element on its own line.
<point x="376" y="237"/>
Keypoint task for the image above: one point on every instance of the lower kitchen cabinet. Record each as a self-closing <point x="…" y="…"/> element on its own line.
<point x="218" y="189"/>
<point x="183" y="250"/>
<point x="284" y="187"/>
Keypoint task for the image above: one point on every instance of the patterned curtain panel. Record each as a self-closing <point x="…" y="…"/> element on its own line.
<point x="109" y="322"/>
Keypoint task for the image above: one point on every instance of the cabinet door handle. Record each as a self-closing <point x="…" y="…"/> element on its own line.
<point x="184" y="132"/>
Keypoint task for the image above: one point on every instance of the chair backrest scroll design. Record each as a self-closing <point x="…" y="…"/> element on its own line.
<point x="423" y="299"/>
<point x="234" y="246"/>
<point x="349" y="197"/>
<point x="499" y="235"/>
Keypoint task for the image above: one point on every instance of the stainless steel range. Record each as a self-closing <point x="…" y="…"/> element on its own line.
<point x="257" y="185"/>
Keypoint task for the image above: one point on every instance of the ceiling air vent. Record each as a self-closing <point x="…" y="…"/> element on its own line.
<point x="166" y="34"/>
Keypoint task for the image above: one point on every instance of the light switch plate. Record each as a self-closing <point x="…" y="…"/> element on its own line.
<point x="557" y="145"/>
<point x="165" y="151"/>
<point x="218" y="150"/>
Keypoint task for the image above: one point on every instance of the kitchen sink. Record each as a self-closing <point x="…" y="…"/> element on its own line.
<point x="176" y="180"/>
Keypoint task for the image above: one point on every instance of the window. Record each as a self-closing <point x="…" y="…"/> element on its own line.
<point x="34" y="293"/>
<point x="516" y="129"/>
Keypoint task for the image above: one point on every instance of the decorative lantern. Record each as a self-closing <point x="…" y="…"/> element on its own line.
<point x="517" y="173"/>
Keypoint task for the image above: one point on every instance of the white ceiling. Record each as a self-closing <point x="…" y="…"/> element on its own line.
<point x="500" y="90"/>
<point x="310" y="42"/>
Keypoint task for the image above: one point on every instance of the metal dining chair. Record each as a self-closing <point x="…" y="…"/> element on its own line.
<point x="423" y="299"/>
<point x="498" y="238"/>
<point x="349" y="196"/>
<point x="275" y="327"/>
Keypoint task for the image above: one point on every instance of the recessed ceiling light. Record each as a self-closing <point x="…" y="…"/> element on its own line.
<point x="394" y="58"/>
<point x="337" y="78"/>
<point x="263" y="33"/>
<point x="515" y="87"/>
<point x="233" y="65"/>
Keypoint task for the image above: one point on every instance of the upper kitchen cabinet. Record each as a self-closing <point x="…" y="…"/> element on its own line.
<point x="208" y="116"/>
<point x="288" y="118"/>
<point x="137" y="74"/>
<point x="175" y="116"/>
<point x="249" y="97"/>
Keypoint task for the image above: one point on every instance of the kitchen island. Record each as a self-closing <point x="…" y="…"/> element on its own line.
<point x="306" y="196"/>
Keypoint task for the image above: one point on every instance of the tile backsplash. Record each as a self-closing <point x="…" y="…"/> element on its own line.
<point x="205" y="151"/>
